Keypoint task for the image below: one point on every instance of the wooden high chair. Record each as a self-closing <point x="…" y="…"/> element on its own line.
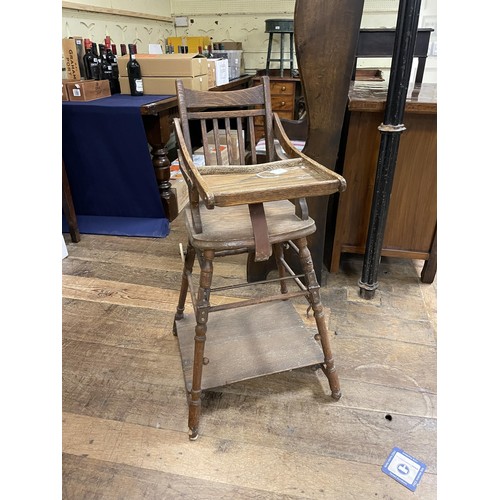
<point x="238" y="205"/>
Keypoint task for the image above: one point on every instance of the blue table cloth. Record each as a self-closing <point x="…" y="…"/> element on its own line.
<point x="106" y="153"/>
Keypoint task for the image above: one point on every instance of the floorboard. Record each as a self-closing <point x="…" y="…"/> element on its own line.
<point x="279" y="436"/>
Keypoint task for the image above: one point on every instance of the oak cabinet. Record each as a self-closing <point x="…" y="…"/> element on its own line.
<point x="412" y="218"/>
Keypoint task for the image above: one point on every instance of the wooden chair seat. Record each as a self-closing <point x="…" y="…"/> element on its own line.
<point x="231" y="227"/>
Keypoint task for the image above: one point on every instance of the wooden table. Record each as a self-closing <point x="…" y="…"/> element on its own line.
<point x="412" y="220"/>
<point x="158" y="122"/>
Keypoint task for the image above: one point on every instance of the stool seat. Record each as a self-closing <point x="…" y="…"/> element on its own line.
<point x="279" y="25"/>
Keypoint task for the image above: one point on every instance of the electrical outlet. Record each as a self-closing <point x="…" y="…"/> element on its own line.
<point x="181" y="22"/>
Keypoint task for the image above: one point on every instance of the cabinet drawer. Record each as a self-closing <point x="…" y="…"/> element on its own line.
<point x="286" y="114"/>
<point x="259" y="134"/>
<point x="259" y="120"/>
<point x="282" y="103"/>
<point x="282" y="88"/>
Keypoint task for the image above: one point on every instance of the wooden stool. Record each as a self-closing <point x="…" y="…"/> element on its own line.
<point x="280" y="27"/>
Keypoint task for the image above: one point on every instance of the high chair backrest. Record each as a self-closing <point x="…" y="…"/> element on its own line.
<point x="227" y="123"/>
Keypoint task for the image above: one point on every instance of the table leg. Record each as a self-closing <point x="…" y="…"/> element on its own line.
<point x="158" y="130"/>
<point x="68" y="207"/>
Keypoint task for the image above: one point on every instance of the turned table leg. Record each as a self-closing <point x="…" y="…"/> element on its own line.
<point x="158" y="131"/>
<point x="68" y="207"/>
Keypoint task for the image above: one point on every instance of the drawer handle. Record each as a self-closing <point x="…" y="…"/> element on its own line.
<point x="283" y="88"/>
<point x="282" y="103"/>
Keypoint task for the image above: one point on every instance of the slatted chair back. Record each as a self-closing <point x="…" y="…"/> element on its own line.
<point x="227" y="117"/>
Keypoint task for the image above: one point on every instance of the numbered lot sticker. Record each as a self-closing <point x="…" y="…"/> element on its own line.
<point x="404" y="468"/>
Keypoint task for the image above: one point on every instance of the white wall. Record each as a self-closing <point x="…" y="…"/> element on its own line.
<point x="224" y="20"/>
<point x="150" y="23"/>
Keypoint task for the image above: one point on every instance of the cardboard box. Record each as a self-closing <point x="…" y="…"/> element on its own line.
<point x="179" y="196"/>
<point x="211" y="153"/>
<point x="88" y="90"/>
<point x="230" y="45"/>
<point x="159" y="85"/>
<point x="235" y="61"/>
<point x="223" y="147"/>
<point x="192" y="42"/>
<point x="176" y="65"/>
<point x="233" y="137"/>
<point x="70" y="54"/>
<point x="65" y="96"/>
<point x="218" y="72"/>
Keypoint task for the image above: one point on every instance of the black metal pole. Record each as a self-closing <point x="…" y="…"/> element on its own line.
<point x="390" y="129"/>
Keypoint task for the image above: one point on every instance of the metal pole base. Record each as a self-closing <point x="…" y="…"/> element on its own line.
<point x="367" y="291"/>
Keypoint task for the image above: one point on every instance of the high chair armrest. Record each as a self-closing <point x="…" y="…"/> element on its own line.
<point x="286" y="150"/>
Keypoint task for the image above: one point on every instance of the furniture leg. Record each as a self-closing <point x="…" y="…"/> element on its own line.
<point x="269" y="48"/>
<point x="278" y="254"/>
<point x="202" y="305"/>
<point x="68" y="207"/>
<point x="315" y="301"/>
<point x="282" y="53"/>
<point x="187" y="270"/>
<point x="158" y="132"/>
<point x="430" y="267"/>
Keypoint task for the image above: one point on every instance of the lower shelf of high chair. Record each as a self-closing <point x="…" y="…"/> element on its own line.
<point x="249" y="342"/>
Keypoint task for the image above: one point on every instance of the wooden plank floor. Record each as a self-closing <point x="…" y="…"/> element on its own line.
<point x="274" y="437"/>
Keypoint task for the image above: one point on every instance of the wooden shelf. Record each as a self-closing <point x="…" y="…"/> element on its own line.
<point x="249" y="342"/>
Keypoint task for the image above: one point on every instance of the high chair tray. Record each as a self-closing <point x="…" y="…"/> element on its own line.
<point x="249" y="342"/>
<point x="229" y="185"/>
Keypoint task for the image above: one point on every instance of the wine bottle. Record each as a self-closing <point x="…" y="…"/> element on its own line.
<point x="106" y="71"/>
<point x="200" y="53"/>
<point x="98" y="57"/>
<point x="123" y="49"/>
<point x="134" y="73"/>
<point x="90" y="61"/>
<point x="114" y="83"/>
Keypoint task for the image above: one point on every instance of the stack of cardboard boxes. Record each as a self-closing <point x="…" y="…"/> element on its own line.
<point x="159" y="72"/>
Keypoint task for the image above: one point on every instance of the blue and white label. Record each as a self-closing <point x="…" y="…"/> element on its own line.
<point x="404" y="468"/>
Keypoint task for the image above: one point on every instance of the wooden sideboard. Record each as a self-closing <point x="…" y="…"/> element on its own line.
<point x="412" y="219"/>
<point x="285" y="91"/>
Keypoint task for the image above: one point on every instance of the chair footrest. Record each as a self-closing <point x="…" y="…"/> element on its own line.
<point x="249" y="342"/>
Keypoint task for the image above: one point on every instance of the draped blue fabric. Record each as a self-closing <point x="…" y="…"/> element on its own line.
<point x="106" y="153"/>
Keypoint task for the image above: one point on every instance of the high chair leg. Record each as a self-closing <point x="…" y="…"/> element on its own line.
<point x="278" y="254"/>
<point x="202" y="305"/>
<point x="315" y="301"/>
<point x="188" y="269"/>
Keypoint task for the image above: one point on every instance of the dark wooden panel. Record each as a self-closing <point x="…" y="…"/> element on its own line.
<point x="380" y="42"/>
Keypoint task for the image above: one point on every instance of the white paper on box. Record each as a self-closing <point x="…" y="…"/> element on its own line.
<point x="221" y="71"/>
<point x="155" y="48"/>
